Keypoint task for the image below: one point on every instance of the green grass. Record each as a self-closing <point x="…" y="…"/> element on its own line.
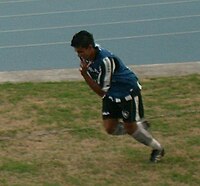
<point x="51" y="135"/>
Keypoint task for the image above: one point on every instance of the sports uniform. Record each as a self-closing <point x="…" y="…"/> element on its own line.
<point x="123" y="98"/>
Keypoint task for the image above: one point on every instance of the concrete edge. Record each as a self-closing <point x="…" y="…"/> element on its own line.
<point x="143" y="71"/>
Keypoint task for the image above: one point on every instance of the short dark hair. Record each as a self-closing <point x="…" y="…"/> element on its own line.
<point x="82" y="39"/>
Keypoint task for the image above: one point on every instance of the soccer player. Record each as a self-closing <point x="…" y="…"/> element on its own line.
<point x="119" y="89"/>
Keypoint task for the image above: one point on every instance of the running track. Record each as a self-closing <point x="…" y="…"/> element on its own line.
<point x="36" y="34"/>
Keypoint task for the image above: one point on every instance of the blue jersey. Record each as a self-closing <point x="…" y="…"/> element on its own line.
<point x="112" y="75"/>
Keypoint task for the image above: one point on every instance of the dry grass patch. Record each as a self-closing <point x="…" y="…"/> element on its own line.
<point x="51" y="135"/>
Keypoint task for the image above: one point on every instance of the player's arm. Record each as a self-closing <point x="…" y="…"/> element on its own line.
<point x="108" y="68"/>
<point x="92" y="84"/>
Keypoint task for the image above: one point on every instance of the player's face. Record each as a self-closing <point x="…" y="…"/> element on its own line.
<point x="85" y="53"/>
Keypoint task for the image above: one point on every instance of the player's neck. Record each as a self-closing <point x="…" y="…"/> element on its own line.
<point x="93" y="54"/>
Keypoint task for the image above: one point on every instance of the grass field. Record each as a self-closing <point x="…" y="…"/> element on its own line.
<point x="51" y="135"/>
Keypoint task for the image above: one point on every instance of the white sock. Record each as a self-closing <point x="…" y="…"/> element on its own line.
<point x="143" y="136"/>
<point x="155" y="144"/>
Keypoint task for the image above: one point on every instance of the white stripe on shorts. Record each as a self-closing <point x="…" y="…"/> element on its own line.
<point x="137" y="116"/>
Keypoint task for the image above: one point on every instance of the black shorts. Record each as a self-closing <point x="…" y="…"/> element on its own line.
<point x="129" y="110"/>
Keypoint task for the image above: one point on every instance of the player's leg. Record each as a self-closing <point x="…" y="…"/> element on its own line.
<point x="132" y="111"/>
<point x="141" y="135"/>
<point x="143" y="123"/>
<point x="114" y="127"/>
<point x="111" y="114"/>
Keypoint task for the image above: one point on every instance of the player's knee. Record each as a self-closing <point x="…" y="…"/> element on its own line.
<point x="110" y="126"/>
<point x="109" y="130"/>
<point x="130" y="128"/>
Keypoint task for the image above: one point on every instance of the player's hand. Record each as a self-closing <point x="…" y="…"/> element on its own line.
<point x="83" y="67"/>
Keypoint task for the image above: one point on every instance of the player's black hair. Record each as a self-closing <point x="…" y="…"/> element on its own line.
<point x="82" y="39"/>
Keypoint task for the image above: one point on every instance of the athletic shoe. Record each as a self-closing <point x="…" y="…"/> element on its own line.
<point x="156" y="155"/>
